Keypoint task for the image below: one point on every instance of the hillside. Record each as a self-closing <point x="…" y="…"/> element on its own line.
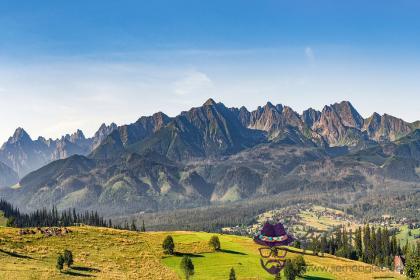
<point x="8" y="177"/>
<point x="115" y="254"/>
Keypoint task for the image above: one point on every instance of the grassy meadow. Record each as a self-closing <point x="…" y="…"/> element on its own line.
<point x="407" y="235"/>
<point x="104" y="253"/>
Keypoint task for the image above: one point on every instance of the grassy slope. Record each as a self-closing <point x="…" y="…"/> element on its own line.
<point x="116" y="254"/>
<point x="403" y="235"/>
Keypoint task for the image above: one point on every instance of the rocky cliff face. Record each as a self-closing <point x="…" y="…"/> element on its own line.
<point x="209" y="130"/>
<point x="386" y="127"/>
<point x="126" y="135"/>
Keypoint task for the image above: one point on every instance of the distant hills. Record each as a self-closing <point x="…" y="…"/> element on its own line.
<point x="213" y="154"/>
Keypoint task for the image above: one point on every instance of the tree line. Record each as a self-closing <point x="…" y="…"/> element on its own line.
<point x="371" y="245"/>
<point x="49" y="218"/>
<point x="54" y="218"/>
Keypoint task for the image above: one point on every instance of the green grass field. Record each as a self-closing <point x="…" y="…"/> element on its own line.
<point x="117" y="254"/>
<point x="404" y="235"/>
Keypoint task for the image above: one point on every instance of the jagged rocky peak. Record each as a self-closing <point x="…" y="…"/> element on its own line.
<point x="20" y="135"/>
<point x="373" y="122"/>
<point x="269" y="106"/>
<point x="311" y="116"/>
<point x="161" y="119"/>
<point x="77" y="136"/>
<point x="386" y="127"/>
<point x="210" y="102"/>
<point x="105" y="129"/>
<point x="348" y="114"/>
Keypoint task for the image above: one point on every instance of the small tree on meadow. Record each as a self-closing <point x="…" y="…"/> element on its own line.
<point x="187" y="267"/>
<point x="168" y="245"/>
<point x="10" y="222"/>
<point x="133" y="226"/>
<point x="68" y="258"/>
<point x="143" y="227"/>
<point x="60" y="262"/>
<point x="232" y="275"/>
<point x="215" y="243"/>
<point x="299" y="265"/>
<point x="289" y="270"/>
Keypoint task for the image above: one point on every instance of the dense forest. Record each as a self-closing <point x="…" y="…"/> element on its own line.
<point x="214" y="217"/>
<point x="376" y="246"/>
<point x="44" y="217"/>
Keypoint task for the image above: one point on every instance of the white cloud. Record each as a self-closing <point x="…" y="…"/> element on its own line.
<point x="192" y="82"/>
<point x="309" y="53"/>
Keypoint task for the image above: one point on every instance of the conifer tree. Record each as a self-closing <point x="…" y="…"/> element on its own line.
<point x="133" y="226"/>
<point x="168" y="245"/>
<point x="68" y="258"/>
<point x="232" y="274"/>
<point x="187" y="267"/>
<point x="60" y="262"/>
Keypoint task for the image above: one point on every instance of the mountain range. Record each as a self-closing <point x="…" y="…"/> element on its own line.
<point x="213" y="154"/>
<point x="24" y="155"/>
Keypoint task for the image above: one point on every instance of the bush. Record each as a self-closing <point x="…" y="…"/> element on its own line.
<point x="10" y="222"/>
<point x="294" y="268"/>
<point x="289" y="270"/>
<point x="68" y="258"/>
<point x="300" y="266"/>
<point x="215" y="243"/>
<point x="60" y="262"/>
<point x="187" y="267"/>
<point x="168" y="245"/>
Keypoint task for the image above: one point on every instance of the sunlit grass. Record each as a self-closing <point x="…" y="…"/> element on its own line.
<point x="117" y="254"/>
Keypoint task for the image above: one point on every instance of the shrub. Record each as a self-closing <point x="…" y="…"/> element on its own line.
<point x="289" y="270"/>
<point x="300" y="266"/>
<point x="215" y="243"/>
<point x="168" y="245"/>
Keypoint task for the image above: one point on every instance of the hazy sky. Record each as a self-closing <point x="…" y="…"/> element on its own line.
<point x="75" y="64"/>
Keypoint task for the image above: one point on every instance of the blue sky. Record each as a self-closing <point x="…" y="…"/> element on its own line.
<point x="75" y="64"/>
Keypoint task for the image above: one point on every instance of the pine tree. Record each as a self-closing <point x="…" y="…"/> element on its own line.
<point x="143" y="227"/>
<point x="60" y="262"/>
<point x="412" y="265"/>
<point x="68" y="258"/>
<point x="358" y="243"/>
<point x="168" y="245"/>
<point x="133" y="226"/>
<point x="187" y="267"/>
